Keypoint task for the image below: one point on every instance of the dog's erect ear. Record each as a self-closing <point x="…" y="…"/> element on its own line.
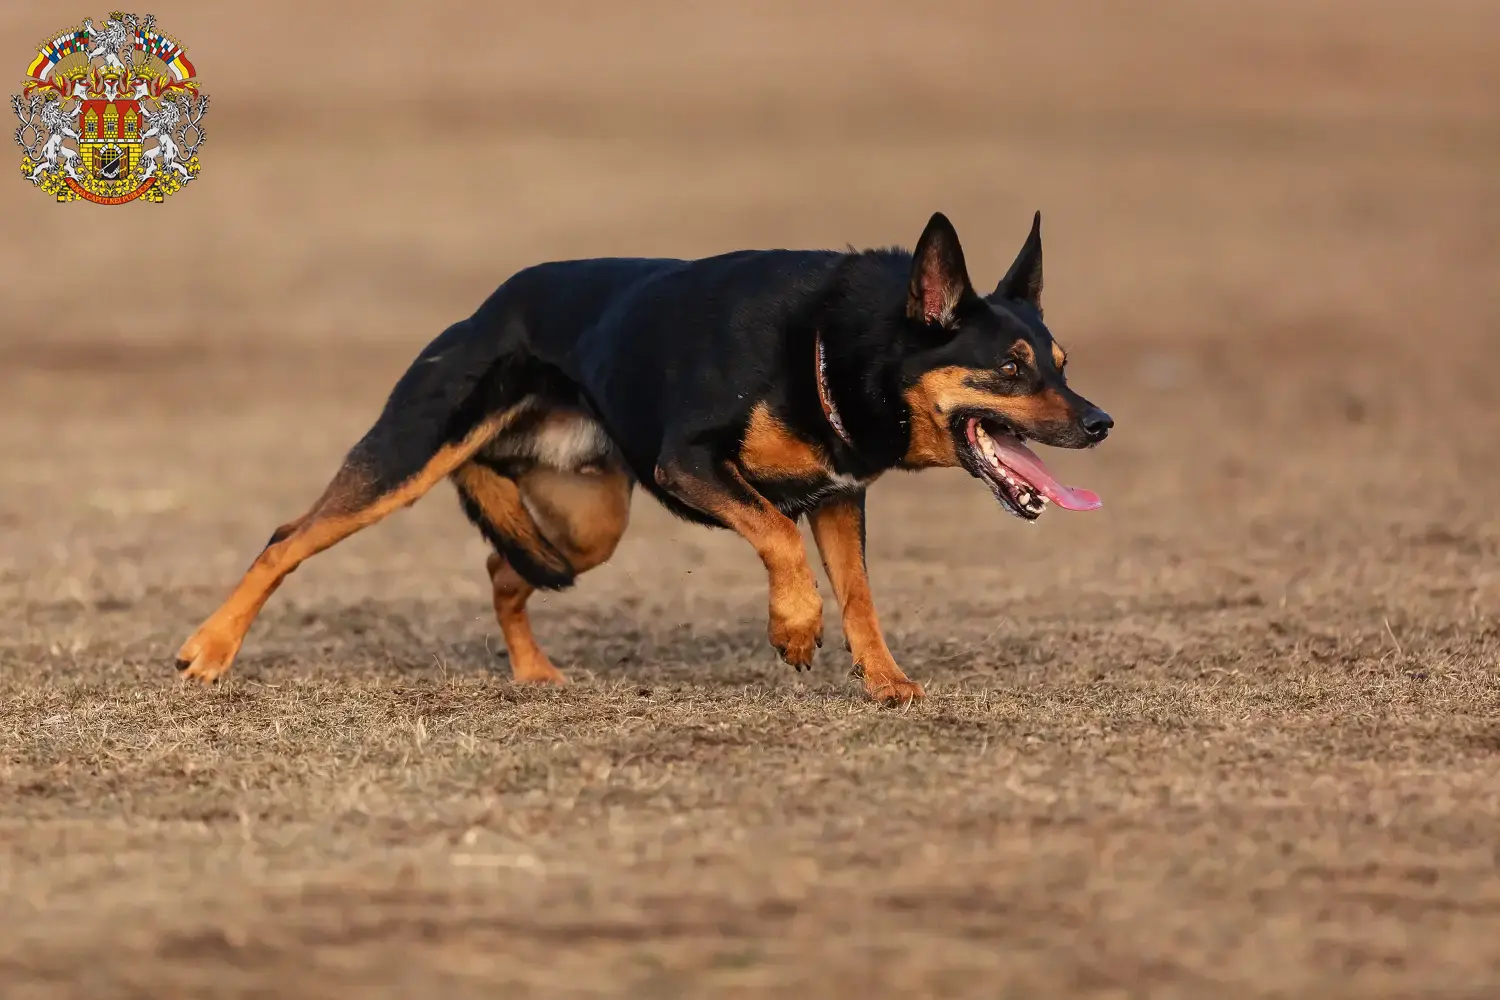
<point x="1023" y="282"/>
<point x="939" y="280"/>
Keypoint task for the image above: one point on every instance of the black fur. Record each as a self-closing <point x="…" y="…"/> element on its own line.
<point x="672" y="356"/>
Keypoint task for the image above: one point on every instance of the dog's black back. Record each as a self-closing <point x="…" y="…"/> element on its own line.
<point x="653" y="349"/>
<point x="742" y="391"/>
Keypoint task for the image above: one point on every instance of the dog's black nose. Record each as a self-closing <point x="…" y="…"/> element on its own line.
<point x="1096" y="424"/>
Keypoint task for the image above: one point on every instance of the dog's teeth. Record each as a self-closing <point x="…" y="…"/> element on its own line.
<point x="1025" y="499"/>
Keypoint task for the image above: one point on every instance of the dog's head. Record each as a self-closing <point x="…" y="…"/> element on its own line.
<point x="984" y="375"/>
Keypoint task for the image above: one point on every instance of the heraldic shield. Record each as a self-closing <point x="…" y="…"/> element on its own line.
<point x="111" y="115"/>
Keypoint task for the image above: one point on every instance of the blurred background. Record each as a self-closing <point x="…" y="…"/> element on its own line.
<point x="1272" y="236"/>
<point x="1202" y="167"/>
<point x="1270" y="228"/>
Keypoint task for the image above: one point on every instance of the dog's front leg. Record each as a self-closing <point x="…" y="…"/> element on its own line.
<point x="719" y="490"/>
<point x="838" y="527"/>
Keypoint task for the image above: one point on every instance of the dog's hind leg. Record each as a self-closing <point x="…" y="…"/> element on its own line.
<point x="528" y="664"/>
<point x="378" y="477"/>
<point x="547" y="526"/>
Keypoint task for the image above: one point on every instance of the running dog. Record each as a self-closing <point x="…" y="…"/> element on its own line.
<point x="742" y="391"/>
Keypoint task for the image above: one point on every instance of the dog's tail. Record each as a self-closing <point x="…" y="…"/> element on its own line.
<point x="471" y="379"/>
<point x="470" y="385"/>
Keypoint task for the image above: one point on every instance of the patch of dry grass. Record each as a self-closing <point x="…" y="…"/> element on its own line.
<point x="1236" y="735"/>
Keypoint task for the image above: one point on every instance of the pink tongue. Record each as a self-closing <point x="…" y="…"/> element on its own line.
<point x="1021" y="459"/>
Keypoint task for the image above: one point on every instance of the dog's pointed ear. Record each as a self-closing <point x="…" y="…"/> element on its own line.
<point x="1023" y="282"/>
<point x="939" y="279"/>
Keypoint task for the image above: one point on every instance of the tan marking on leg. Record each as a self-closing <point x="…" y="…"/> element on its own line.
<point x="499" y="498"/>
<point x="836" y="529"/>
<point x="796" y="609"/>
<point x="583" y="514"/>
<point x="285" y="530"/>
<point x="528" y="664"/>
<point x="212" y="649"/>
<point x="771" y="449"/>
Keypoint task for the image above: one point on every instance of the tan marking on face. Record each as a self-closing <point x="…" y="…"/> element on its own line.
<point x="1022" y="352"/>
<point x="941" y="391"/>
<point x="1059" y="356"/>
<point x="930" y="445"/>
<point x="1037" y="410"/>
<point x="771" y="449"/>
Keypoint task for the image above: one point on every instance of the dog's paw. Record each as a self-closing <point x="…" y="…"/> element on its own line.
<point x="538" y="671"/>
<point x="207" y="656"/>
<point x="895" y="694"/>
<point x="891" y="687"/>
<point x="797" y="635"/>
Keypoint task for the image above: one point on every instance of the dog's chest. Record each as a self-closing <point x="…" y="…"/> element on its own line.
<point x="794" y="473"/>
<point x="795" y="496"/>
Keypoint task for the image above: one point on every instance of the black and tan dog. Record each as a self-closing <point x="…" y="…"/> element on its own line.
<point x="742" y="391"/>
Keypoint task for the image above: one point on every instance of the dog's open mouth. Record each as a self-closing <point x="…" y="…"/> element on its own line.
<point x="1014" y="472"/>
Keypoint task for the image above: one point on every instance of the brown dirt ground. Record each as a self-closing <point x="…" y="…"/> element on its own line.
<point x="1235" y="735"/>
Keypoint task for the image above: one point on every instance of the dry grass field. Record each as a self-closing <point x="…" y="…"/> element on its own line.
<point x="1235" y="735"/>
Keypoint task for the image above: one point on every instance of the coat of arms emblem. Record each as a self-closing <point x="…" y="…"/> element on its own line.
<point x="112" y="114"/>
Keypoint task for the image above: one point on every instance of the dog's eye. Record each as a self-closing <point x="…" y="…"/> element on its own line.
<point x="1009" y="369"/>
